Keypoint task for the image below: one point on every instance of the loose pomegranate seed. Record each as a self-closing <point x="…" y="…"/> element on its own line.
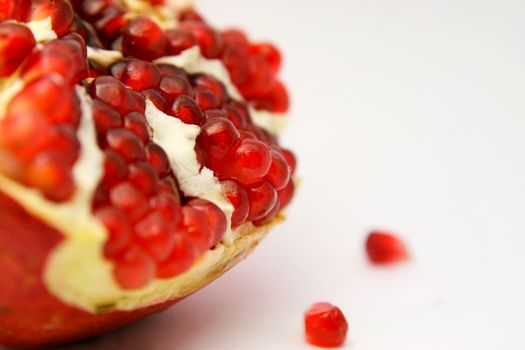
<point x="182" y="257"/>
<point x="216" y="219"/>
<point x="179" y="40"/>
<point x="286" y="194"/>
<point x="112" y="92"/>
<point x="158" y="100"/>
<point x="134" y="269"/>
<point x="143" y="38"/>
<point x="247" y="162"/>
<point x="126" y="143"/>
<point x="140" y="75"/>
<point x="157" y="158"/>
<point x="16" y="42"/>
<point x="279" y="173"/>
<point x="263" y="198"/>
<point x="325" y="325"/>
<point x="217" y="137"/>
<point x="239" y="198"/>
<point x="144" y="177"/>
<point x="119" y="230"/>
<point x="210" y="41"/>
<point x="106" y="118"/>
<point x="60" y="11"/>
<point x="136" y="123"/>
<point x="269" y="53"/>
<point x="185" y="109"/>
<point x="172" y="86"/>
<point x="385" y="248"/>
<point x="195" y="224"/>
<point x="153" y="233"/>
<point x="128" y="198"/>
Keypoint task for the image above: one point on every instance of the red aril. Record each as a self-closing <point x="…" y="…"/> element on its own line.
<point x="385" y="248"/>
<point x="325" y="325"/>
<point x="16" y="42"/>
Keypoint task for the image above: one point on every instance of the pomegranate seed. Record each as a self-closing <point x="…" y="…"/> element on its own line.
<point x="126" y="143"/>
<point x="276" y="100"/>
<point x="115" y="169"/>
<point x="172" y="86"/>
<point x="63" y="140"/>
<point x="279" y="173"/>
<point x="143" y="38"/>
<point x="138" y="102"/>
<point x="286" y="194"/>
<point x="25" y="133"/>
<point x="190" y="15"/>
<point x="168" y="185"/>
<point x="168" y="205"/>
<point x="14" y="9"/>
<point x="92" y="9"/>
<point x="158" y="100"/>
<point x="268" y="217"/>
<point x="140" y="75"/>
<point x="137" y="124"/>
<point x="110" y="24"/>
<point x="16" y="42"/>
<point x="117" y="69"/>
<point x="235" y="38"/>
<point x="153" y="233"/>
<point x="325" y="325"/>
<point x="210" y="41"/>
<point x="236" y="116"/>
<point x="216" y="219"/>
<point x="213" y="85"/>
<point x="290" y="159"/>
<point x="50" y="174"/>
<point x="106" y="118"/>
<point x="112" y="92"/>
<point x="157" y="158"/>
<point x="144" y="177"/>
<point x="239" y="198"/>
<point x="269" y="53"/>
<point x="169" y="70"/>
<point x="72" y="48"/>
<point x="217" y="137"/>
<point x="260" y="79"/>
<point x="385" y="248"/>
<point x="182" y="257"/>
<point x="236" y="62"/>
<point x="195" y="224"/>
<point x="134" y="269"/>
<point x="247" y="162"/>
<point x="127" y="197"/>
<point x="215" y="113"/>
<point x="60" y="11"/>
<point x="263" y="198"/>
<point x="179" y="40"/>
<point x="119" y="230"/>
<point x="185" y="109"/>
<point x="206" y="99"/>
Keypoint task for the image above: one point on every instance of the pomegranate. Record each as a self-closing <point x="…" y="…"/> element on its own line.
<point x="139" y="160"/>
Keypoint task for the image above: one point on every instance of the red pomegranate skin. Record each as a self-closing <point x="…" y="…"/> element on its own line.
<point x="25" y="243"/>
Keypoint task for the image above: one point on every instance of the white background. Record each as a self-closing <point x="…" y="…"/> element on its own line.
<point x="408" y="115"/>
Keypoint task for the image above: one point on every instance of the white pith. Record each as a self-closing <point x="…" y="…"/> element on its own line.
<point x="76" y="272"/>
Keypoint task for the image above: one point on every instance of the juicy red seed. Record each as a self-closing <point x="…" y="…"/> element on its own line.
<point x="16" y="42"/>
<point x="286" y="194"/>
<point x="140" y="75"/>
<point x="52" y="175"/>
<point x="185" y="109"/>
<point x="290" y="158"/>
<point x="217" y="137"/>
<point x="213" y="85"/>
<point x="115" y="169"/>
<point x="60" y="11"/>
<point x="153" y="232"/>
<point x="110" y="24"/>
<point x="263" y="198"/>
<point x="106" y="118"/>
<point x="247" y="162"/>
<point x="236" y="62"/>
<point x="216" y="219"/>
<point x="279" y="173"/>
<point x="93" y="9"/>
<point x="385" y="248"/>
<point x="157" y="158"/>
<point x="190" y="15"/>
<point x="134" y="269"/>
<point x="235" y="117"/>
<point x="183" y="255"/>
<point x="117" y="69"/>
<point x="179" y="40"/>
<point x="215" y="113"/>
<point x="72" y="47"/>
<point x="206" y="99"/>
<point x="269" y="53"/>
<point x="260" y="79"/>
<point x="172" y="86"/>
<point x="268" y="217"/>
<point x="168" y="185"/>
<point x="128" y="198"/>
<point x="169" y="70"/>
<point x="42" y="63"/>
<point x="14" y="9"/>
<point x="239" y="199"/>
<point x="126" y="143"/>
<point x="195" y="224"/>
<point x="325" y="325"/>
<point x="112" y="92"/>
<point x="136" y="123"/>
<point x="168" y="205"/>
<point x="63" y="140"/>
<point x="144" y="177"/>
<point x="210" y="41"/>
<point x="25" y="133"/>
<point x="119" y="230"/>
<point x="138" y="102"/>
<point x="276" y="100"/>
<point x="158" y="100"/>
<point x="143" y="38"/>
<point x="235" y="38"/>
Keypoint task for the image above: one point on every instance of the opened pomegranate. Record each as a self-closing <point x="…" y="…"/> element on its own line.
<point x="139" y="160"/>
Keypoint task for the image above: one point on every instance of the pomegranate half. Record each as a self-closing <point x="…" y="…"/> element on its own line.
<point x="139" y="160"/>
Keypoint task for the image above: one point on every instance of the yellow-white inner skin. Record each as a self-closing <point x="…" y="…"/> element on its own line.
<point x="76" y="271"/>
